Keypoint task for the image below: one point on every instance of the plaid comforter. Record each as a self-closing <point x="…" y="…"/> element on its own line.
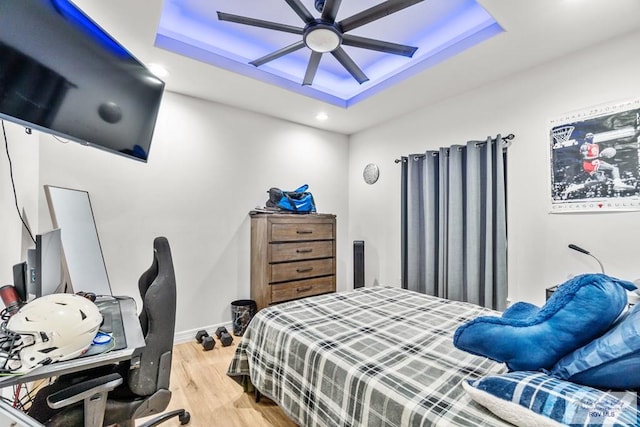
<point x="370" y="357"/>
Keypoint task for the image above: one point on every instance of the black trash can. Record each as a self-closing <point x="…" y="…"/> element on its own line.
<point x="242" y="311"/>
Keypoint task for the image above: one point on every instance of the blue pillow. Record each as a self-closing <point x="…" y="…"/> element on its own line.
<point x="611" y="361"/>
<point x="534" y="399"/>
<point x="521" y="310"/>
<point x="528" y="338"/>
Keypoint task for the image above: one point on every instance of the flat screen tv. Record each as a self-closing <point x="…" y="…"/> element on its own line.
<point x="62" y="74"/>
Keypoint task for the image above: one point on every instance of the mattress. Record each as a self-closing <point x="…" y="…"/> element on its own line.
<point x="369" y="357"/>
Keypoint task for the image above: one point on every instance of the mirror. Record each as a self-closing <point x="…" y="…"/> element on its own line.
<point x="71" y="212"/>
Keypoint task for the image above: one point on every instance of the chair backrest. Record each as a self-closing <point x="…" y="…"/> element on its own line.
<point x="158" y="291"/>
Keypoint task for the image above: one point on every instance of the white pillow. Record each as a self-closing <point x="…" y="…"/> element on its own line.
<point x="509" y="411"/>
<point x="533" y="399"/>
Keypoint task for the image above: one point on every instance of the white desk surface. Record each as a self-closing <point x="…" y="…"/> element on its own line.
<point x="12" y="417"/>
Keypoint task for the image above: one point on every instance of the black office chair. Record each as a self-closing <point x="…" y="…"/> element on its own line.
<point x="132" y="390"/>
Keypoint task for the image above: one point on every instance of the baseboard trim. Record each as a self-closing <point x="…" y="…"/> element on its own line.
<point x="190" y="335"/>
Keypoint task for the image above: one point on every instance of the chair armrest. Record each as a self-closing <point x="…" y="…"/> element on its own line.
<point x="83" y="390"/>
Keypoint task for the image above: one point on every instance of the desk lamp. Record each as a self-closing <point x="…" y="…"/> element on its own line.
<point x="586" y="252"/>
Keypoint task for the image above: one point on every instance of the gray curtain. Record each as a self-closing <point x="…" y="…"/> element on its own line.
<point x="454" y="230"/>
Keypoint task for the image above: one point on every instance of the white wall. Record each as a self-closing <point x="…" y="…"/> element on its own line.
<point x="523" y="105"/>
<point x="209" y="165"/>
<point x="14" y="239"/>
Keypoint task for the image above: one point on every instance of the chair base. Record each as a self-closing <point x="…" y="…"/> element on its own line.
<point x="182" y="415"/>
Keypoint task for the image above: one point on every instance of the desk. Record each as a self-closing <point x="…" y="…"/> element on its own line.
<point x="10" y="416"/>
<point x="133" y="336"/>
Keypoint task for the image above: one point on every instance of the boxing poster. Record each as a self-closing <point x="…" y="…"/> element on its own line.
<point x="595" y="159"/>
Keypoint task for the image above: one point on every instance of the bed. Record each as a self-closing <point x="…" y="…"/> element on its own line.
<point x="371" y="357"/>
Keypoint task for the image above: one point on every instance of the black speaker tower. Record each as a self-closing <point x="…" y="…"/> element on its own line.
<point x="358" y="263"/>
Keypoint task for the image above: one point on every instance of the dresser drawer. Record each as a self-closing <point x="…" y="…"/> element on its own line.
<point x="297" y="251"/>
<point x="302" y="288"/>
<point x="286" y="232"/>
<point x="292" y="256"/>
<point x="301" y="269"/>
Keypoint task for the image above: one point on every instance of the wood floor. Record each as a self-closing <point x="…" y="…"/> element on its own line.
<point x="200" y="385"/>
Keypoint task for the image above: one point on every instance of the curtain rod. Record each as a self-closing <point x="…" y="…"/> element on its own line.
<point x="504" y="138"/>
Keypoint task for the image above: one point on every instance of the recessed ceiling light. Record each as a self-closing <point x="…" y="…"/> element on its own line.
<point x="158" y="70"/>
<point x="322" y="116"/>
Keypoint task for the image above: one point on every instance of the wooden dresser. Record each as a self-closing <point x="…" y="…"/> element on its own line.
<point x="292" y="256"/>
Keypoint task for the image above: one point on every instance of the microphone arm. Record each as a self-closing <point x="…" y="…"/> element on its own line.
<point x="586" y="252"/>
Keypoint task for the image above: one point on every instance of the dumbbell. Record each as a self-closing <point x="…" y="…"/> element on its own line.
<point x="207" y="341"/>
<point x="225" y="337"/>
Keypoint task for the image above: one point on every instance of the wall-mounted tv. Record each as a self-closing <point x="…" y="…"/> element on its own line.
<point x="62" y="74"/>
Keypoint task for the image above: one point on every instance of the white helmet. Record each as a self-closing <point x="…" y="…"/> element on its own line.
<point x="49" y="329"/>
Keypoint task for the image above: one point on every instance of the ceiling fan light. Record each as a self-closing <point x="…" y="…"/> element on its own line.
<point x="322" y="40"/>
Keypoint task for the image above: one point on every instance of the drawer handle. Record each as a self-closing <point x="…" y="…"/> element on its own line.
<point x="304" y="251"/>
<point x="304" y="231"/>
<point x="304" y="270"/>
<point x="305" y="289"/>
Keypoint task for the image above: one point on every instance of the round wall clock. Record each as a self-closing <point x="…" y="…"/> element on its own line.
<point x="371" y="173"/>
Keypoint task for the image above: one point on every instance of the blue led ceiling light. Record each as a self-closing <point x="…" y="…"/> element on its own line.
<point x="288" y="54"/>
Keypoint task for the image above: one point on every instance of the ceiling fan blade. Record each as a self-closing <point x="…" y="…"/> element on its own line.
<point x="379" y="45"/>
<point x="350" y="66"/>
<point x="259" y="23"/>
<point x="312" y="67"/>
<point x="330" y="10"/>
<point x="375" y="12"/>
<point x="278" y="53"/>
<point x="302" y="11"/>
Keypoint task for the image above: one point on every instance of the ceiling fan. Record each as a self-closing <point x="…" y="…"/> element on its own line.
<point x="324" y="34"/>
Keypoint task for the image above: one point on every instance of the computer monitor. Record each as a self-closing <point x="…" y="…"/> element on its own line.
<point x="45" y="265"/>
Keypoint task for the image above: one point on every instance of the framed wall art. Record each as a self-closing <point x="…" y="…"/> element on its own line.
<point x="595" y="159"/>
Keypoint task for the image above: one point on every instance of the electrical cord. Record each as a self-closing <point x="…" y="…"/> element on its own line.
<point x="23" y="395"/>
<point x="26" y="395"/>
<point x="13" y="184"/>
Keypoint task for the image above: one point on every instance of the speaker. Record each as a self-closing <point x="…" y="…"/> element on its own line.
<point x="358" y="263"/>
<point x="20" y="280"/>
